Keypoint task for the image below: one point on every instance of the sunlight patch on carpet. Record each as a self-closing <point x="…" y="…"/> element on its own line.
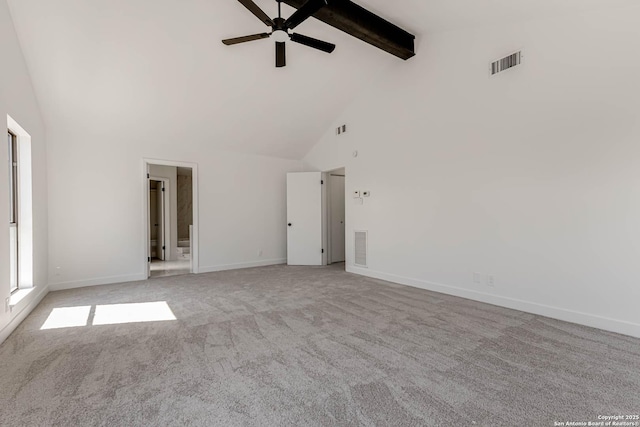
<point x="112" y="314"/>
<point x="67" y="317"/>
<point x="133" y="313"/>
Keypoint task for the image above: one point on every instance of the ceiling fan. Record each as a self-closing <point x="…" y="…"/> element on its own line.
<point x="280" y="28"/>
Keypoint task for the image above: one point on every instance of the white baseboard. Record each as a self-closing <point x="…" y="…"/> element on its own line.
<point x="22" y="314"/>
<point x="239" y="266"/>
<point x="97" y="282"/>
<point x="591" y="320"/>
<point x="137" y="277"/>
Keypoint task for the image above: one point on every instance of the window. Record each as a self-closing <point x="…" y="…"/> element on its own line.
<point x="13" y="210"/>
<point x="20" y="208"/>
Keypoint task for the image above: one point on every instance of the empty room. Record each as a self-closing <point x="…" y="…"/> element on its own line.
<point x="320" y="213"/>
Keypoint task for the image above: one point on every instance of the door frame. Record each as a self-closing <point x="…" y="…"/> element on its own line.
<point x="166" y="207"/>
<point x="326" y="209"/>
<point x="195" y="245"/>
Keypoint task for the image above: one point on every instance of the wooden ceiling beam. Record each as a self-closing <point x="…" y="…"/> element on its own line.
<point x="364" y="25"/>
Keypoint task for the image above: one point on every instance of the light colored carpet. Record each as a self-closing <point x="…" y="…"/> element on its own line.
<point x="297" y="346"/>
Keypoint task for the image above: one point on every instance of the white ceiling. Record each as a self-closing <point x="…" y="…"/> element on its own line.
<point x="157" y="67"/>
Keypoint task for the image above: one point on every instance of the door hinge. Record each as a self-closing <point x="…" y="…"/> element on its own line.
<point x="148" y="259"/>
<point x="163" y="248"/>
<point x="162" y="188"/>
<point x="148" y="176"/>
<point x="323" y="251"/>
<point x="322" y="182"/>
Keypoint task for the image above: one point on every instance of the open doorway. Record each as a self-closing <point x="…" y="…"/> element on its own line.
<point x="335" y="217"/>
<point x="170" y="219"/>
<point x="185" y="212"/>
<point x="157" y="191"/>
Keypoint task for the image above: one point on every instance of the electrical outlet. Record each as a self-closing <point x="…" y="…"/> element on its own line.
<point x="491" y="280"/>
<point x="477" y="277"/>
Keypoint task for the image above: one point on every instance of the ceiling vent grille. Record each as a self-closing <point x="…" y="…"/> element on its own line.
<point x="360" y="246"/>
<point x="506" y="63"/>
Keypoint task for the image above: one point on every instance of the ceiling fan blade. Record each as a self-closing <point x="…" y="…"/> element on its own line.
<point x="255" y="9"/>
<point x="250" y="38"/>
<point x="307" y="9"/>
<point x="314" y="43"/>
<point x="281" y="55"/>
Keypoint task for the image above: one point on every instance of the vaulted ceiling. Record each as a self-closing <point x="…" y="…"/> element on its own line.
<point x="157" y="68"/>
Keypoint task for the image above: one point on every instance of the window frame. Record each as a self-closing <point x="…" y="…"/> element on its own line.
<point x="14" y="212"/>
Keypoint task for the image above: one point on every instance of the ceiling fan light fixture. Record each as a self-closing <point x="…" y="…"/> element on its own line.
<point x="280" y="36"/>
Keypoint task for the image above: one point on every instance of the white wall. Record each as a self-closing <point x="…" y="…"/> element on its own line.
<point x="532" y="176"/>
<point x="17" y="99"/>
<point x="171" y="218"/>
<point x="241" y="204"/>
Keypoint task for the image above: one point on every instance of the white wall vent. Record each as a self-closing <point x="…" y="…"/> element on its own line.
<point x="505" y="63"/>
<point x="360" y="246"/>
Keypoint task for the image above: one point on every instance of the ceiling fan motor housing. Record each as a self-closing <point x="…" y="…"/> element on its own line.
<point x="278" y="24"/>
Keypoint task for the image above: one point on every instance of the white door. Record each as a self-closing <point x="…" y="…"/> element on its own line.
<point x="336" y="218"/>
<point x="304" y="218"/>
<point x="149" y="224"/>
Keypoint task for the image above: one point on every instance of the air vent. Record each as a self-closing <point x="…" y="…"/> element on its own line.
<point x="361" y="248"/>
<point x="506" y="63"/>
